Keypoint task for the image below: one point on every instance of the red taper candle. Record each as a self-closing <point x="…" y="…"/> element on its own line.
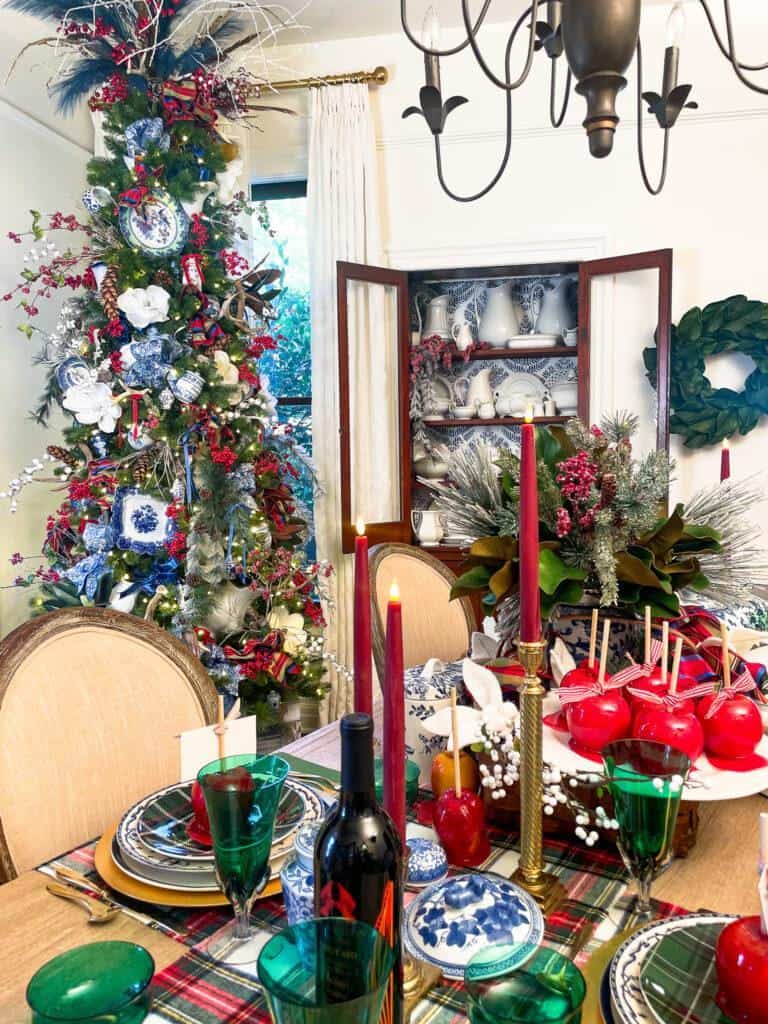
<point x="363" y="672"/>
<point x="394" y="714"/>
<point x="530" y="614"/>
<point x="725" y="461"/>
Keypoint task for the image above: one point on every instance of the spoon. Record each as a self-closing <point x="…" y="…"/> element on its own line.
<point x="98" y="913"/>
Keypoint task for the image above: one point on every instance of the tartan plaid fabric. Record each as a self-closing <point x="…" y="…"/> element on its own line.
<point x="679" y="978"/>
<point x="194" y="990"/>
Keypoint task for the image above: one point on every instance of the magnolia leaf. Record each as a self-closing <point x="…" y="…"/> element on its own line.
<point x="634" y="570"/>
<point x="502" y="581"/>
<point x="553" y="571"/>
<point x="475" y="578"/>
<point x="666" y="534"/>
<point x="569" y="592"/>
<point x="496" y="549"/>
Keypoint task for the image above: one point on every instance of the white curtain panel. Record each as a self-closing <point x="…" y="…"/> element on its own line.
<point x="344" y="225"/>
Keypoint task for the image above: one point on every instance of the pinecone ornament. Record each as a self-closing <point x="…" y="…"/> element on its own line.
<point x="62" y="454"/>
<point x="109" y="293"/>
<point x="163" y="278"/>
<point x="141" y="467"/>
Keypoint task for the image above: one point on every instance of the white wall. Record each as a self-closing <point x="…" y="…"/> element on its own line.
<point x="42" y="167"/>
<point x="712" y="212"/>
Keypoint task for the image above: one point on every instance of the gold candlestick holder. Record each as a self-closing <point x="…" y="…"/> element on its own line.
<point x="545" y="888"/>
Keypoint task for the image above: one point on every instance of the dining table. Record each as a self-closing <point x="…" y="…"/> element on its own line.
<point x="720" y="874"/>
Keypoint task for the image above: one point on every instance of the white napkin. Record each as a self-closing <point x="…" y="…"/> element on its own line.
<point x="200" y="746"/>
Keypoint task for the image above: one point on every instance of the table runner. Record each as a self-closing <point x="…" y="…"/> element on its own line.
<point x="194" y="990"/>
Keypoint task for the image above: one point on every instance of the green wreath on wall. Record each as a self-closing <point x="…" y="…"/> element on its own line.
<point x="701" y="414"/>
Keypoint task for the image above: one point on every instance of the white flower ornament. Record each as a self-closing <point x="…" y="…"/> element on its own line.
<point x="144" y="306"/>
<point x="291" y="625"/>
<point x="492" y="714"/>
<point x="93" y="403"/>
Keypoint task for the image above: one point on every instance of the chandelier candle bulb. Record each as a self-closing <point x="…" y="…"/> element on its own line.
<point x="430" y="37"/>
<point x="530" y="613"/>
<point x="394" y="715"/>
<point x="362" y="626"/>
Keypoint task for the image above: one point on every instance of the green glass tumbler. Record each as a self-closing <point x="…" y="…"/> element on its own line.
<point x="326" y="971"/>
<point x="101" y="981"/>
<point x="508" y="983"/>
<point x="241" y="794"/>
<point x="646" y="782"/>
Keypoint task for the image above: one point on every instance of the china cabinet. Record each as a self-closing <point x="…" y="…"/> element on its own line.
<point x="525" y="338"/>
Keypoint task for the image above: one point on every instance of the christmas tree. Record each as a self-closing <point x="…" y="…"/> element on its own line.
<point x="176" y="477"/>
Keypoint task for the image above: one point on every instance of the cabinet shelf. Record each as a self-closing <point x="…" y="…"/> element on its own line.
<point x="548" y="352"/>
<point x="500" y="421"/>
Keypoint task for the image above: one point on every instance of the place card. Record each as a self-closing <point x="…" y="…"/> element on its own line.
<point x="199" y="746"/>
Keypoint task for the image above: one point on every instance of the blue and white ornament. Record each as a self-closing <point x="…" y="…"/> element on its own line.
<point x="165" y="398"/>
<point x="140" y="135"/>
<point x="87" y="573"/>
<point x="71" y="372"/>
<point x="94" y="199"/>
<point x="140" y="521"/>
<point x="186" y="387"/>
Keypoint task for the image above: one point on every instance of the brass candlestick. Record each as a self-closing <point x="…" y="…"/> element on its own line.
<point x="545" y="888"/>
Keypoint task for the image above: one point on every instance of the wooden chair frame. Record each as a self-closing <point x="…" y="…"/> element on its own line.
<point x="376" y="556"/>
<point x="26" y="637"/>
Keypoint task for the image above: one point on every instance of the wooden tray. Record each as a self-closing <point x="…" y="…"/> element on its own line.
<point x="148" y="893"/>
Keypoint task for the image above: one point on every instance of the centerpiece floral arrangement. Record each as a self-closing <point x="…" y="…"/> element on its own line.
<point x="604" y="537"/>
<point x="176" y="478"/>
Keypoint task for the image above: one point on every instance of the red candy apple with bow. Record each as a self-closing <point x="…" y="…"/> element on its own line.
<point x="731" y="721"/>
<point x="671" y="718"/>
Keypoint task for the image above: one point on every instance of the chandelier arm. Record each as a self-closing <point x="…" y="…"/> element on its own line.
<point x="654" y="190"/>
<point x="556" y="121"/>
<point x="729" y="56"/>
<point x="441" y="53"/>
<point x="499" y="172"/>
<point x="733" y="59"/>
<point x="505" y="83"/>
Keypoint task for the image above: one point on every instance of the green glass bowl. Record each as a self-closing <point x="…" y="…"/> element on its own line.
<point x="411" y="780"/>
<point x="96" y="982"/>
<point x="522" y="984"/>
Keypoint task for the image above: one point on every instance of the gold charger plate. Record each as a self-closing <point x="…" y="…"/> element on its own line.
<point x="148" y="893"/>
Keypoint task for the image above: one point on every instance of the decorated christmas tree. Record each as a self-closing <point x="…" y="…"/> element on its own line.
<point x="176" y="478"/>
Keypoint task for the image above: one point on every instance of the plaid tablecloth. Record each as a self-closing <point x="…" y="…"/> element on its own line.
<point x="194" y="990"/>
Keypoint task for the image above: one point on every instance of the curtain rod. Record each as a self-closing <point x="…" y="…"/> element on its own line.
<point x="378" y="76"/>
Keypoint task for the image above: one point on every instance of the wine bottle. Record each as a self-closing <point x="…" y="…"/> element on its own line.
<point x="359" y="856"/>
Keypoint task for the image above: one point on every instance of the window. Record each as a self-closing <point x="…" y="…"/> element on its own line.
<point x="280" y="232"/>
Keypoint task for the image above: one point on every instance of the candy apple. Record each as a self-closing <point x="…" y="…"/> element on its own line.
<point x="678" y="728"/>
<point x="734" y="730"/>
<point x="460" y="825"/>
<point x="442" y="773"/>
<point x="596" y="721"/>
<point x="651" y="683"/>
<point x="582" y="675"/>
<point x="741" y="959"/>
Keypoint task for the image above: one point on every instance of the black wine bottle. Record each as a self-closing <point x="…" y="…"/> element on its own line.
<point x="359" y="856"/>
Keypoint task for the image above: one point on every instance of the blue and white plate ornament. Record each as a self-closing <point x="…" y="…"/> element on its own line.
<point x="427" y="862"/>
<point x="94" y="199"/>
<point x="140" y="135"/>
<point x="448" y="922"/>
<point x="71" y="372"/>
<point x="140" y="522"/>
<point x="187" y="386"/>
<point x="164" y="229"/>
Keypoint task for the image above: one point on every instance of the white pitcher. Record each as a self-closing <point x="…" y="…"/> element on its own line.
<point x="475" y="391"/>
<point x="501" y="318"/>
<point x="436" y="321"/>
<point x="427" y="525"/>
<point x="554" y="315"/>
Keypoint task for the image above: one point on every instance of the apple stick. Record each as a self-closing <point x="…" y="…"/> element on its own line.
<point x="456" y="751"/>
<point x="664" y="651"/>
<point x="676" y="665"/>
<point x="592" y="639"/>
<point x="647" y="634"/>
<point x="725" y="655"/>
<point x="604" y="652"/>
<point x="221" y="728"/>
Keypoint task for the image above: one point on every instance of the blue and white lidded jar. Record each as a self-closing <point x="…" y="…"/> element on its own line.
<point x="297" y="875"/>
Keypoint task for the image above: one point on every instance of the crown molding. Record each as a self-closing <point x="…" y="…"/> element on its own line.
<point x="27" y="120"/>
<point x="553" y="249"/>
<point x="691" y="119"/>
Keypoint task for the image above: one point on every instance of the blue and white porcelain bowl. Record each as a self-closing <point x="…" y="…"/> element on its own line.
<point x="448" y="922"/>
<point x="427" y="862"/>
<point x="297" y="876"/>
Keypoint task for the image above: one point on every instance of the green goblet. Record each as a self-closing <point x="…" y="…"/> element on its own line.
<point x="329" y="970"/>
<point x="241" y="796"/>
<point x="646" y="782"/>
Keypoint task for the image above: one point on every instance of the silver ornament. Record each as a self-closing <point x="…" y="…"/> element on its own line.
<point x="273" y="699"/>
<point x="165" y="398"/>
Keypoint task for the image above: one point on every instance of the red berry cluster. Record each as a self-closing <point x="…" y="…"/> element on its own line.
<point x="115" y="90"/>
<point x="224" y="457"/>
<point x="234" y="264"/>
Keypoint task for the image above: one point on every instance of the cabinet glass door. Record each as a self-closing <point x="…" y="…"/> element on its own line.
<point x="625" y="301"/>
<point x="373" y="374"/>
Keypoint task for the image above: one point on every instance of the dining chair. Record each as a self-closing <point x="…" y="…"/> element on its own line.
<point x="433" y="625"/>
<point x="91" y="705"/>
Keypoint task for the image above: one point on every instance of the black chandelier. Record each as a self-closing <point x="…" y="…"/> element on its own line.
<point x="598" y="39"/>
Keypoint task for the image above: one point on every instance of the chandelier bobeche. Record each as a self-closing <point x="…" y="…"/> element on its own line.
<point x="598" y="40"/>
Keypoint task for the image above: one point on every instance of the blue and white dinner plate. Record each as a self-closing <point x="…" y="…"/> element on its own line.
<point x="158" y="227"/>
<point x="450" y="921"/>
<point x="628" y="1003"/>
